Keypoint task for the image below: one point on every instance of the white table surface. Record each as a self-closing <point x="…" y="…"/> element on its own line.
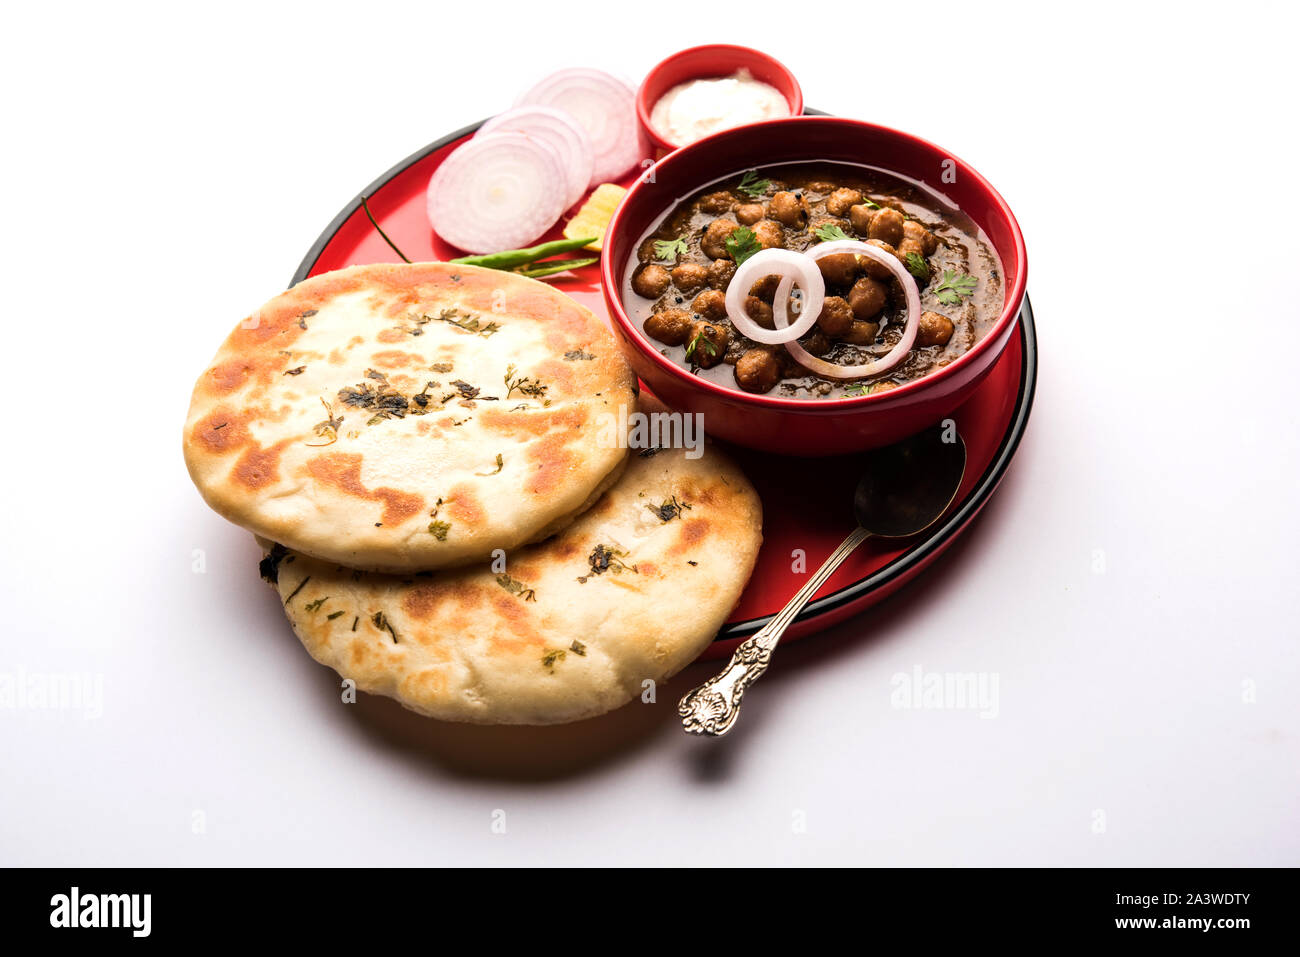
<point x="1131" y="586"/>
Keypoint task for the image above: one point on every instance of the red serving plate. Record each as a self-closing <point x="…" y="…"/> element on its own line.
<point x="991" y="422"/>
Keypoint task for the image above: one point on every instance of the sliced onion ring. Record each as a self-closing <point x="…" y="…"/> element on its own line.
<point x="559" y="130"/>
<point x="793" y="268"/>
<point x="499" y="191"/>
<point x="605" y="107"/>
<point x="885" y="362"/>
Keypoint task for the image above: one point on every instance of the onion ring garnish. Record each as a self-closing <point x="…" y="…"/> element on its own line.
<point x="809" y="361"/>
<point x="793" y="268"/>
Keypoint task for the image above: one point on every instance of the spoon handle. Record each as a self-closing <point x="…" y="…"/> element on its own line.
<point x="714" y="706"/>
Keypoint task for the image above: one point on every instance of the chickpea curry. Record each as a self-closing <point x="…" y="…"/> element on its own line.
<point x="676" y="285"/>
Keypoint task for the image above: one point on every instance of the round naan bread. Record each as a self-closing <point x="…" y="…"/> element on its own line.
<point x="566" y="629"/>
<point x="408" y="417"/>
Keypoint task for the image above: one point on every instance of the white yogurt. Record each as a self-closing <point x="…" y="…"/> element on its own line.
<point x="690" y="111"/>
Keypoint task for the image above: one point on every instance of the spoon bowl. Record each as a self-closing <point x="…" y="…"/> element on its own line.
<point x="905" y="487"/>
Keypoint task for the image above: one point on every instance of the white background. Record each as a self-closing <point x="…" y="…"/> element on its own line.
<point x="1132" y="584"/>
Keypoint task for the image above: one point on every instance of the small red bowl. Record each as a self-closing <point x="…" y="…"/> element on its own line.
<point x="812" y="426"/>
<point x="706" y="62"/>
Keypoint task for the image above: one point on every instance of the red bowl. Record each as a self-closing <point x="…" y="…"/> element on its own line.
<point x="704" y="62"/>
<point x="826" y="426"/>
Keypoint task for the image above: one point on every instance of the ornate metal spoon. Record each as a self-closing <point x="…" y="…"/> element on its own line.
<point x="903" y="491"/>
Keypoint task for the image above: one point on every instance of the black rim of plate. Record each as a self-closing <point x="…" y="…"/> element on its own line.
<point x="900" y="566"/>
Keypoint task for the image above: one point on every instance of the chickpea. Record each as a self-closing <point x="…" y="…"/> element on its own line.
<point x="839" y="202"/>
<point x="867" y="297"/>
<point x="836" y="316"/>
<point x="885" y="386"/>
<point x="759" y="311"/>
<point x="758" y="371"/>
<point x="823" y="222"/>
<point x="933" y="330"/>
<point x="818" y="344"/>
<point x="874" y="269"/>
<point x="821" y="186"/>
<point x="887" y="225"/>
<point x="650" y="281"/>
<point x="646" y="251"/>
<point x="689" y="277"/>
<point x="895" y="292"/>
<point x="789" y="209"/>
<point x="769" y="234"/>
<point x="839" y="269"/>
<point x="765" y="288"/>
<point x="790" y="368"/>
<point x="711" y="304"/>
<point x="715" y="238"/>
<point x="909" y="246"/>
<point x="860" y="218"/>
<point x="917" y="233"/>
<point x="912" y="247"/>
<point x="862" y="333"/>
<point x="707" y="344"/>
<point x="672" y="327"/>
<point x="719" y="202"/>
<point x="720" y="273"/>
<point x="750" y="213"/>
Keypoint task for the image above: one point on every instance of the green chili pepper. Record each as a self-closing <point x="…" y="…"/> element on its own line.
<point x="511" y="258"/>
<point x="554" y="266"/>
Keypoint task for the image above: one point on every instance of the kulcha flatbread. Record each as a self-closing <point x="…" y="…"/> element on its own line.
<point x="570" y="628"/>
<point x="407" y="417"/>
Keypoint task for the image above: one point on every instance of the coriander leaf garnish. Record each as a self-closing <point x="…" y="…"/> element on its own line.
<point x="751" y="185"/>
<point x="669" y="510"/>
<point x="917" y="266"/>
<point x="525" y="384"/>
<point x="380" y="621"/>
<point x="383" y="400"/>
<point x="700" y="341"/>
<point x="302" y="584"/>
<point x="667" y="250"/>
<point x="869" y="204"/>
<point x="742" y="243"/>
<point x="421" y="399"/>
<point x="830" y="232"/>
<point x="329" y="429"/>
<point x="516" y="587"/>
<point x="466" y="390"/>
<point x="605" y="558"/>
<point x="954" y="287"/>
<point x="466" y="322"/>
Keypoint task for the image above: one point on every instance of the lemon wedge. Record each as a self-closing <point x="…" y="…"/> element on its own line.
<point x="593" y="218"/>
